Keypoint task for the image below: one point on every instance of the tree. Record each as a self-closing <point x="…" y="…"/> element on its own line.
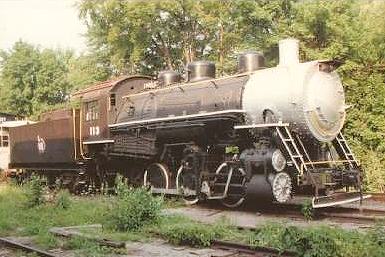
<point x="32" y="79"/>
<point x="85" y="70"/>
<point x="19" y="79"/>
<point x="148" y="36"/>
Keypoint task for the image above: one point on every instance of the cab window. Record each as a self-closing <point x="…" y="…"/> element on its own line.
<point x="4" y="142"/>
<point x="112" y="101"/>
<point x="92" y="110"/>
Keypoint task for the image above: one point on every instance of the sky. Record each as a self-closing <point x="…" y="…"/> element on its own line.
<point x="48" y="23"/>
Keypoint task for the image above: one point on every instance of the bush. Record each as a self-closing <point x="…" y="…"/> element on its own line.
<point x="318" y="242"/>
<point x="307" y="210"/>
<point x="84" y="247"/>
<point x="277" y="236"/>
<point x="34" y="191"/>
<point x="132" y="209"/>
<point x="321" y="241"/>
<point x="63" y="200"/>
<point x="307" y="243"/>
<point x="190" y="234"/>
<point x="377" y="234"/>
<point x="181" y="230"/>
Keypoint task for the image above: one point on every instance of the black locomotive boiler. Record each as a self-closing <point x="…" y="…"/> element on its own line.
<point x="261" y="134"/>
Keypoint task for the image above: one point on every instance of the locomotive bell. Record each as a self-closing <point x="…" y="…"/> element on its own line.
<point x="168" y="77"/>
<point x="200" y="70"/>
<point x="250" y="61"/>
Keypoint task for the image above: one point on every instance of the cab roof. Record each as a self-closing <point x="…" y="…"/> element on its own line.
<point x="104" y="87"/>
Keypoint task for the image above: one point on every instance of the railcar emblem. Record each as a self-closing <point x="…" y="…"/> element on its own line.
<point x="41" y="145"/>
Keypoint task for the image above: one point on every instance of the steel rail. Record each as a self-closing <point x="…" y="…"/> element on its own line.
<point x="257" y="251"/>
<point x="341" y="214"/>
<point x="379" y="197"/>
<point x="15" y="245"/>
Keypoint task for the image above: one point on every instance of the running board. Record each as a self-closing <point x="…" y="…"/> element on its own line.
<point x="337" y="199"/>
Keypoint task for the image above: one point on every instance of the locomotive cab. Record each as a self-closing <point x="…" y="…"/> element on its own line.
<point x="102" y="104"/>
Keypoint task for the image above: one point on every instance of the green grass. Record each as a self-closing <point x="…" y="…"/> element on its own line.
<point x="176" y="229"/>
<point x="132" y="209"/>
<point x="84" y="247"/>
<point x="18" y="220"/>
<point x="321" y="241"/>
<point x="180" y="230"/>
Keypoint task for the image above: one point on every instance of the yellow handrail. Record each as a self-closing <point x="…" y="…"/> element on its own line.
<point x="74" y="131"/>
<point x="80" y="135"/>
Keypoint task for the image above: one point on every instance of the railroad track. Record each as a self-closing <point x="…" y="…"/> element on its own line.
<point x="344" y="214"/>
<point x="238" y="250"/>
<point x="234" y="249"/>
<point x="350" y="215"/>
<point x="379" y="197"/>
<point x="5" y="242"/>
<point x="339" y="214"/>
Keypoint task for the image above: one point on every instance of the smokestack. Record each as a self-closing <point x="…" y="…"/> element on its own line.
<point x="288" y="52"/>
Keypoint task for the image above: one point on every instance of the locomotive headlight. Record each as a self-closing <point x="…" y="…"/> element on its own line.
<point x="278" y="160"/>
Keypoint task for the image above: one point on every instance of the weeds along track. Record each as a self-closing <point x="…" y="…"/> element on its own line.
<point x="4" y="242"/>
<point x="294" y="211"/>
<point x="352" y="215"/>
<point x="242" y="250"/>
<point x="239" y="250"/>
<point x="337" y="213"/>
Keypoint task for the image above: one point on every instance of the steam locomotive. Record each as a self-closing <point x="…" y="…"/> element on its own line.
<point x="260" y="134"/>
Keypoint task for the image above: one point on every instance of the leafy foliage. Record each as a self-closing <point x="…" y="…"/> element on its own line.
<point x="32" y="78"/>
<point x="17" y="220"/>
<point x="190" y="234"/>
<point x="85" y="247"/>
<point x="34" y="191"/>
<point x="182" y="231"/>
<point x="307" y="210"/>
<point x="319" y="241"/>
<point x="147" y="36"/>
<point x="86" y="70"/>
<point x="133" y="208"/>
<point x="63" y="200"/>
